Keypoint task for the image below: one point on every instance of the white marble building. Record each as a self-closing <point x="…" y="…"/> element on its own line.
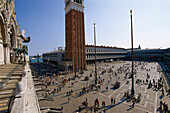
<point x="10" y="34"/>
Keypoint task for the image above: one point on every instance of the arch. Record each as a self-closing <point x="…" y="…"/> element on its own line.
<point x="2" y="40"/>
<point x="2" y="28"/>
<point x="12" y="37"/>
<point x="2" y="31"/>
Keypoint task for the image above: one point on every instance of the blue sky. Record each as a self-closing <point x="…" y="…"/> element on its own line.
<point x="44" y="21"/>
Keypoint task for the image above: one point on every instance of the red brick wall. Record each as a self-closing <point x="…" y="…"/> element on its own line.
<point x="79" y="37"/>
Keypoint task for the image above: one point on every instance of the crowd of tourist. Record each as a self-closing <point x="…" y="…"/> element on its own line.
<point x="49" y="76"/>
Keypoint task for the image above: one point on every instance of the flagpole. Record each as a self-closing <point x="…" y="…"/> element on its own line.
<point x="132" y="90"/>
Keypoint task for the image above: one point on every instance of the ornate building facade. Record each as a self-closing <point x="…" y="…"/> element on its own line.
<point x="10" y="34"/>
<point x="75" y="33"/>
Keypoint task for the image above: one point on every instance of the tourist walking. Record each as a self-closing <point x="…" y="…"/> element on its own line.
<point x="107" y="87"/>
<point x="112" y="101"/>
<point x="79" y="108"/>
<point x="133" y="103"/>
<point x="91" y="108"/>
<point x="95" y="102"/>
<point x="103" y="104"/>
<point x="68" y="99"/>
<point x="160" y="107"/>
<point x="162" y="92"/>
<point x="98" y="103"/>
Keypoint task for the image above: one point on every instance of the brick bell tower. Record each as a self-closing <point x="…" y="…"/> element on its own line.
<point x="75" y="33"/>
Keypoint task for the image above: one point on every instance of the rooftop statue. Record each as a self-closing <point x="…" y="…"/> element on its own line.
<point x="23" y="36"/>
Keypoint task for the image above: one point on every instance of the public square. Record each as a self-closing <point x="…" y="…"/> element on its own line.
<point x="111" y="73"/>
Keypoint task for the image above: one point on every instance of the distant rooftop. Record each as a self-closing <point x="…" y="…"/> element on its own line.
<point x="104" y="47"/>
<point x="147" y="49"/>
<point x="55" y="51"/>
<point x="60" y="49"/>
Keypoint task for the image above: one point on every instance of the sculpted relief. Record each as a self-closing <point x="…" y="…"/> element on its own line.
<point x="2" y="5"/>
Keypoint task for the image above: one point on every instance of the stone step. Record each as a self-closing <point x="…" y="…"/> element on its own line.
<point x="1" y="72"/>
<point x="3" y="76"/>
<point x="4" y="101"/>
<point x="3" y="109"/>
<point x="20" y="75"/>
<point x="2" y="85"/>
<point x="8" y="87"/>
<point x="5" y="96"/>
<point x="14" y="72"/>
<point x="5" y="92"/>
<point x="10" y="69"/>
<point x="5" y="67"/>
<point x="10" y="74"/>
<point x="15" y="77"/>
<point x="12" y="81"/>
<point x="3" y="104"/>
<point x="4" y="80"/>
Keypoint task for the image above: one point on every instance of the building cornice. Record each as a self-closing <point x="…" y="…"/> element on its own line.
<point x="75" y="6"/>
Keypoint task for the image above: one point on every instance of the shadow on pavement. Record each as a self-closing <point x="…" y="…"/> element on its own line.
<point x="64" y="103"/>
<point x="111" y="106"/>
<point x="131" y="106"/>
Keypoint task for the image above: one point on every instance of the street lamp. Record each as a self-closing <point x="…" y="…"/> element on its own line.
<point x="95" y="55"/>
<point x="132" y="90"/>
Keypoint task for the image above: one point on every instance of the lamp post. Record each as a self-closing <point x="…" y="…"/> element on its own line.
<point x="132" y="90"/>
<point x="95" y="55"/>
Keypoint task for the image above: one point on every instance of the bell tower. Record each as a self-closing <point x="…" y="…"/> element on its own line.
<point x="75" y="33"/>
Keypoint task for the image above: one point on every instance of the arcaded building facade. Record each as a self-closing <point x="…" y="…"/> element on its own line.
<point x="104" y="53"/>
<point x="10" y="34"/>
<point x="75" y="33"/>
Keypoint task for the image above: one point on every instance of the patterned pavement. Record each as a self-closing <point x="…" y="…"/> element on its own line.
<point x="150" y="98"/>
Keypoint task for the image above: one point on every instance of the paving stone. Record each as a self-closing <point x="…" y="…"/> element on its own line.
<point x="149" y="99"/>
